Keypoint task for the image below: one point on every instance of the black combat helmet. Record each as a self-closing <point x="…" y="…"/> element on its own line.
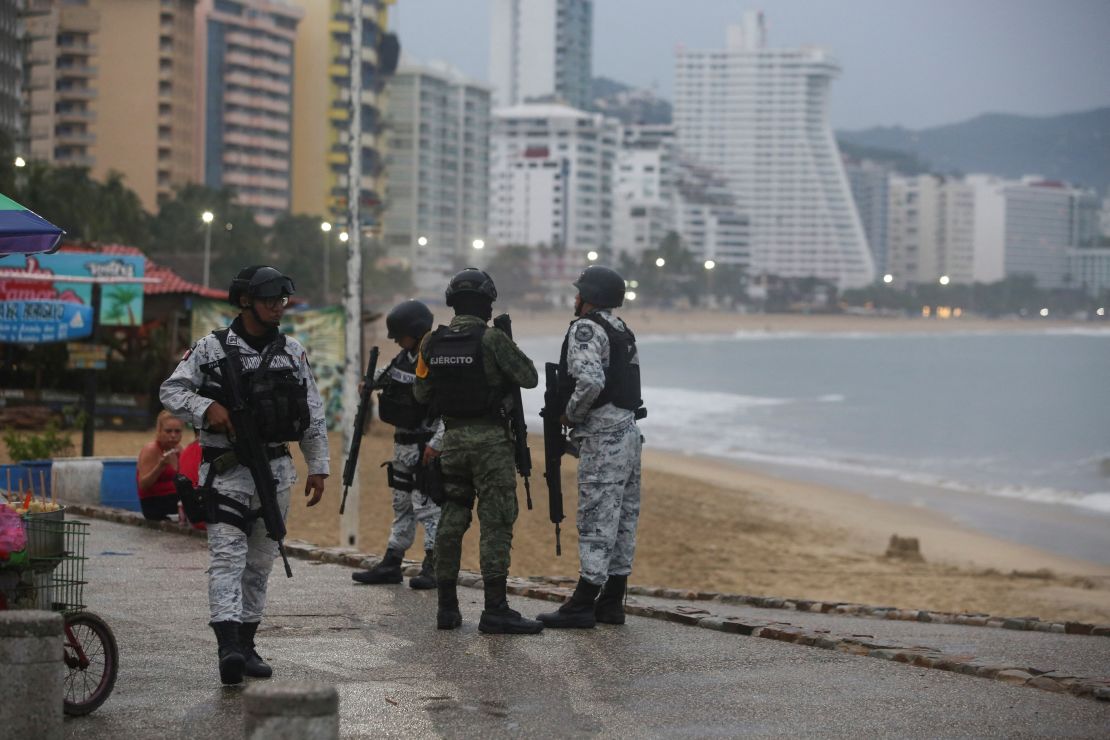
<point x="471" y="280"/>
<point x="259" y="281"/>
<point x="410" y="318"/>
<point x="601" y="286"/>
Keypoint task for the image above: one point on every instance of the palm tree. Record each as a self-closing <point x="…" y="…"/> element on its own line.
<point x="123" y="296"/>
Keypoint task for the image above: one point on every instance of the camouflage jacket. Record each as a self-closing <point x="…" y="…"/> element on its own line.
<point x="587" y="358"/>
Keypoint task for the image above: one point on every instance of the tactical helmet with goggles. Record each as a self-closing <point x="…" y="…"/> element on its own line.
<point x="259" y="282"/>
<point x="473" y="281"/>
<point x="601" y="286"/>
<point x="409" y="319"/>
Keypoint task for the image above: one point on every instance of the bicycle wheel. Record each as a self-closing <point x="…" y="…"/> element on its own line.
<point x="92" y="661"/>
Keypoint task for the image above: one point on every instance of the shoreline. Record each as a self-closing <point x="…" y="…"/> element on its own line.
<point x="873" y="520"/>
<point x="531" y="324"/>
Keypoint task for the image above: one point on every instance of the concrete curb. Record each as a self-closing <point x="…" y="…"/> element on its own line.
<point x="1092" y="687"/>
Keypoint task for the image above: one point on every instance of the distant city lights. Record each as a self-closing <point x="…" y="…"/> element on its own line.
<point x="630" y="295"/>
<point x="710" y="264"/>
<point x="888" y="278"/>
<point x="659" y="262"/>
<point x="1100" y="312"/>
<point x="1044" y="312"/>
<point x="478" y="244"/>
<point x="422" y="241"/>
<point x="944" y="280"/>
<point x="591" y="256"/>
<point x="344" y="236"/>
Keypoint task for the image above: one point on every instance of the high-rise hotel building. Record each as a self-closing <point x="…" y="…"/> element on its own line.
<point x="437" y="193"/>
<point x="245" y="59"/>
<point x="321" y="87"/>
<point x="109" y="85"/>
<point x="760" y="116"/>
<point x="541" y="50"/>
<point x="11" y="73"/>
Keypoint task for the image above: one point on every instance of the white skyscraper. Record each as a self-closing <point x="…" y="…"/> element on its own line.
<point x="541" y="49"/>
<point x="644" y="189"/>
<point x="551" y="170"/>
<point x="437" y="192"/>
<point x="932" y="230"/>
<point x="760" y="116"/>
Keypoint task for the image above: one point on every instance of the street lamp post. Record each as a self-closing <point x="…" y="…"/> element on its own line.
<point x="207" y="217"/>
<point x="709" y="265"/>
<point x="326" y="228"/>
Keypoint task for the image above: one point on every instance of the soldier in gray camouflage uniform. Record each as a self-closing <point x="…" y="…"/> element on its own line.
<point x="466" y="371"/>
<point x="414" y="432"/>
<point x="241" y="555"/>
<point x="600" y="380"/>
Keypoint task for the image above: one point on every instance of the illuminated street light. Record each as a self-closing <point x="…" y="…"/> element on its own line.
<point x="888" y="278"/>
<point x="591" y="256"/>
<point x="20" y="162"/>
<point x="659" y="262"/>
<point x="1100" y="312"/>
<point x="630" y="295"/>
<point x="344" y="236"/>
<point x="478" y="244"/>
<point x="1044" y="312"/>
<point x="633" y="283"/>
<point x="422" y="241"/>
<point x="207" y="217"/>
<point x="325" y="227"/>
<point x="944" y="280"/>
<point x="710" y="264"/>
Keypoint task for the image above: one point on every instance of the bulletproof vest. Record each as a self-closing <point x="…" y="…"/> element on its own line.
<point x="457" y="372"/>
<point x="622" y="376"/>
<point x="397" y="405"/>
<point x="277" y="398"/>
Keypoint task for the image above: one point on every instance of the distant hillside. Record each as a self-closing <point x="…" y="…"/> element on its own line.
<point x="627" y="103"/>
<point x="1073" y="147"/>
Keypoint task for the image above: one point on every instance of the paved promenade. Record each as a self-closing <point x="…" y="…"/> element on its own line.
<point x="397" y="676"/>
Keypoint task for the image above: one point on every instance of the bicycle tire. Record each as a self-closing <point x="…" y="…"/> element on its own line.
<point x="85" y="690"/>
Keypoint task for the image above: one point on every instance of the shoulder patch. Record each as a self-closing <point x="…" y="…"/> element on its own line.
<point x="584" y="332"/>
<point x="188" y="352"/>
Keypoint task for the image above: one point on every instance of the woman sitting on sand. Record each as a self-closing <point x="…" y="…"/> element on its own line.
<point x="158" y="462"/>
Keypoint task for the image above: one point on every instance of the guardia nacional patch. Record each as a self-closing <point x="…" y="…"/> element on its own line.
<point x="583" y="332"/>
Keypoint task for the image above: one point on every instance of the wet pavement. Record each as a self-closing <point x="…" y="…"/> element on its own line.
<point x="398" y="676"/>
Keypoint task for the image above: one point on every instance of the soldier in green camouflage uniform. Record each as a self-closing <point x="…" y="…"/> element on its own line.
<point x="465" y="371"/>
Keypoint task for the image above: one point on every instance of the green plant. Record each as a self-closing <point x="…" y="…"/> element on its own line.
<point x="50" y="442"/>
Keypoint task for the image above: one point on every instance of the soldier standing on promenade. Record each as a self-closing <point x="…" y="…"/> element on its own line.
<point x="599" y="374"/>
<point x="281" y="393"/>
<point x="407" y="324"/>
<point x="466" y="371"/>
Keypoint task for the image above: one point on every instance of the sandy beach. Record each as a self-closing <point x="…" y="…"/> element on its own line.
<point x="717" y="526"/>
<point x="714" y="525"/>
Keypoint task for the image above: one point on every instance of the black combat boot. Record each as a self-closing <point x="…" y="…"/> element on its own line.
<point x="448" y="617"/>
<point x="231" y="656"/>
<point x="498" y="618"/>
<point x="387" y="571"/>
<point x="609" y="608"/>
<point x="426" y="578"/>
<point x="255" y="666"/>
<point x="578" y="611"/>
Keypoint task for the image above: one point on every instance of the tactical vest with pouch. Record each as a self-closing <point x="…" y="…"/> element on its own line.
<point x="457" y="372"/>
<point x="397" y="405"/>
<point x="622" y="376"/>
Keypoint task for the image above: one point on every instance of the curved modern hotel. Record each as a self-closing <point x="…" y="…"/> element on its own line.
<point x="761" y="117"/>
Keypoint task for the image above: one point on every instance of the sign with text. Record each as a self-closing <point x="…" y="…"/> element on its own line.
<point x="87" y="356"/>
<point x="121" y="303"/>
<point x="35" y="322"/>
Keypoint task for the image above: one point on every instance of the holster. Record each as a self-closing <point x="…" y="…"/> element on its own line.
<point x="193" y="500"/>
<point x="399" y="479"/>
<point x="429" y="479"/>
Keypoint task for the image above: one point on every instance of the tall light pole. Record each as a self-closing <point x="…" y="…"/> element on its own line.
<point x="326" y="228"/>
<point x="207" y="217"/>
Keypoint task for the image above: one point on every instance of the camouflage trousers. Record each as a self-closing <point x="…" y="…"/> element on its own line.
<point x="410" y="507"/>
<point x="239" y="566"/>
<point x="608" y="502"/>
<point x="477" y="464"/>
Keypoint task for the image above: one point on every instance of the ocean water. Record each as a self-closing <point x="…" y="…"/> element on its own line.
<point x="984" y="425"/>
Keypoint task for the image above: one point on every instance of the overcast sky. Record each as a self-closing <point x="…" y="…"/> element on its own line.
<point x="915" y="63"/>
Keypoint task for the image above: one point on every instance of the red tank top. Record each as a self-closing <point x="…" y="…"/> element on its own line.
<point x="162" y="486"/>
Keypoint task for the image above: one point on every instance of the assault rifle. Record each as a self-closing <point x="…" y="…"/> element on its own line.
<point x="251" y="453"/>
<point x="365" y="403"/>
<point x="554" y="445"/>
<point x="517" y="425"/>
